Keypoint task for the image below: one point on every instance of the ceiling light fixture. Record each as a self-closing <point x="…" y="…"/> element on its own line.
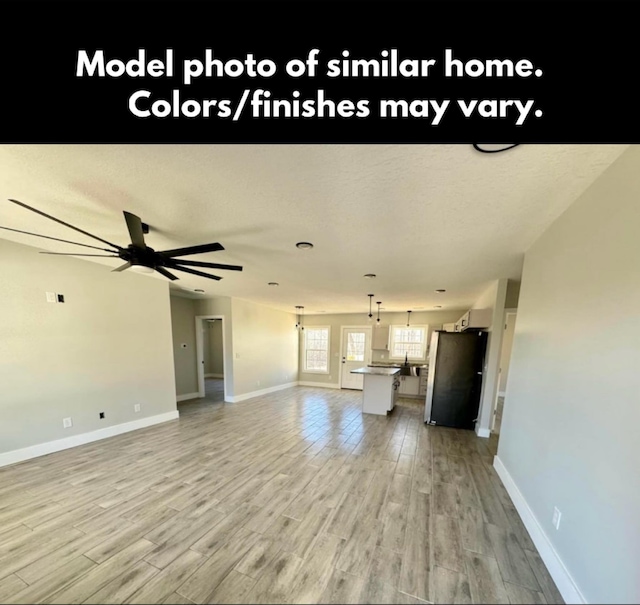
<point x="369" y="275"/>
<point x="273" y="283"/>
<point x="304" y="245"/>
<point x="137" y="268"/>
<point x="370" y="316"/>
<point x="440" y="291"/>
<point x="408" y="317"/>
<point x="299" y="317"/>
<point x="378" y="320"/>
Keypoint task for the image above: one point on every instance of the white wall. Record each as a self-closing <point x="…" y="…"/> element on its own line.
<point x="570" y="432"/>
<point x="105" y="349"/>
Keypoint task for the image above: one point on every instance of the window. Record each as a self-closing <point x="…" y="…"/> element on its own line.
<point x="316" y="350"/>
<point x="411" y="342"/>
<point x="355" y="346"/>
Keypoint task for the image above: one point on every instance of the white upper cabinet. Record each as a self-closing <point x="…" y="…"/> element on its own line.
<point x="475" y="318"/>
<point x="380" y="340"/>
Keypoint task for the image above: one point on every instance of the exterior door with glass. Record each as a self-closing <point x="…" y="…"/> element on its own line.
<point x="356" y="353"/>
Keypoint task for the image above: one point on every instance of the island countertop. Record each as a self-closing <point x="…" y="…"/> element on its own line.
<point x="377" y="371"/>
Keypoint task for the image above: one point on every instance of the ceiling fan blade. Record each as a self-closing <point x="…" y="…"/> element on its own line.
<point x="134" y="224"/>
<point x="73" y="254"/>
<point x="57" y="220"/>
<point x="195" y="263"/>
<point x="193" y="271"/>
<point x="166" y="273"/>
<point x="57" y="239"/>
<point x="193" y="250"/>
<point x="121" y="267"/>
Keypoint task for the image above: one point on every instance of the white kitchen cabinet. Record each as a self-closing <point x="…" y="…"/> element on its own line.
<point x="409" y="386"/>
<point x="449" y="327"/>
<point x="380" y="339"/>
<point x="424" y="379"/>
<point x="379" y="394"/>
<point x="475" y="318"/>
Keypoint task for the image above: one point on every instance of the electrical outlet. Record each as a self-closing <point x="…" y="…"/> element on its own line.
<point x="557" y="515"/>
<point x="101" y="415"/>
<point x="67" y="423"/>
<point x="258" y="382"/>
<point x="381" y="356"/>
<point x="51" y="297"/>
<point x="136" y="407"/>
<point x="329" y="377"/>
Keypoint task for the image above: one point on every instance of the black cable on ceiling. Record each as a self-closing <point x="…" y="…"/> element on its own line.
<point x="477" y="147"/>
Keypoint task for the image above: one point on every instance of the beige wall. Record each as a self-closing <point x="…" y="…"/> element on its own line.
<point x="105" y="349"/>
<point x="261" y="344"/>
<point x="184" y="333"/>
<point x="505" y="354"/>
<point x="513" y="293"/>
<point x="569" y="434"/>
<point x="433" y="319"/>
<point x="265" y="347"/>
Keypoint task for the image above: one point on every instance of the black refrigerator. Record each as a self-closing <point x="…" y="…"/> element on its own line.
<point x="454" y="384"/>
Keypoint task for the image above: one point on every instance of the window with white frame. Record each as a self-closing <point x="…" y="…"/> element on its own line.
<point x="316" y="349"/>
<point x="408" y="341"/>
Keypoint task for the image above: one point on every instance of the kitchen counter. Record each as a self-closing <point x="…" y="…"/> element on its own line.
<point x="412" y="369"/>
<point x="377" y="371"/>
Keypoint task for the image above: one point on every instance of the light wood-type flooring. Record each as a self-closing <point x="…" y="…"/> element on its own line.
<point x="293" y="497"/>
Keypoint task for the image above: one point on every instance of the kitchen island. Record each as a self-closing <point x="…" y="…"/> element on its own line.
<point x="380" y="389"/>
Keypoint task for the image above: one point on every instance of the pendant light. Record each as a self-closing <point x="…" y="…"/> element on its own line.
<point x="378" y="320"/>
<point x="408" y="316"/>
<point x="299" y="313"/>
<point x="370" y="316"/>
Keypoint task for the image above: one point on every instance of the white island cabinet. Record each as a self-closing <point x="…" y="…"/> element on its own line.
<point x="380" y="389"/>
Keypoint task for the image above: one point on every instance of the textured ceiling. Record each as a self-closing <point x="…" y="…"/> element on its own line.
<point x="420" y="217"/>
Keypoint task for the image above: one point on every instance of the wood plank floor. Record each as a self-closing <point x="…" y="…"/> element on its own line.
<point x="294" y="497"/>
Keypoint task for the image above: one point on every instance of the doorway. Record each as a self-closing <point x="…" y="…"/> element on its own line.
<point x="355" y="352"/>
<point x="213" y="380"/>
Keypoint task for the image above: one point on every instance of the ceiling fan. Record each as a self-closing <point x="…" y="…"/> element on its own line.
<point x="137" y="253"/>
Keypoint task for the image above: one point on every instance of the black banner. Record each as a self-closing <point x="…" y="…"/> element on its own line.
<point x="319" y="72"/>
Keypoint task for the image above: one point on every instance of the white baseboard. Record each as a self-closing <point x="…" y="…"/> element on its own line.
<point x="326" y="385"/>
<point x="42" y="449"/>
<point x="214" y="375"/>
<point x="565" y="583"/>
<point x="188" y="396"/>
<point x="266" y="391"/>
<point x="483" y="432"/>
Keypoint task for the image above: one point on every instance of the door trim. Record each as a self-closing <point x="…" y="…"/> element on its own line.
<point x="367" y="351"/>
